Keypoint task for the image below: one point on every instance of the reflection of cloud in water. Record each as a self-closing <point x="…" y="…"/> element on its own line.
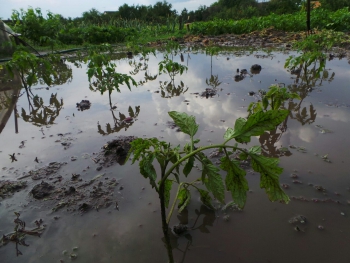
<point x="335" y="114"/>
<point x="208" y="111"/>
<point x="305" y="133"/>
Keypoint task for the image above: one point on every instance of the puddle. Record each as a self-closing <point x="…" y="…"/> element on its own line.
<point x="47" y="126"/>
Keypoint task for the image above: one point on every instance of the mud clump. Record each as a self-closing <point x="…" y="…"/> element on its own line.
<point x="297" y="219"/>
<point x="83" y="105"/>
<point x="42" y="190"/>
<point x="238" y="77"/>
<point x="8" y="188"/>
<point x="172" y="125"/>
<point x="114" y="151"/>
<point x="209" y="93"/>
<point x="255" y="69"/>
<point x="73" y="193"/>
<point x="77" y="195"/>
<point x="180" y="229"/>
<point x="44" y="172"/>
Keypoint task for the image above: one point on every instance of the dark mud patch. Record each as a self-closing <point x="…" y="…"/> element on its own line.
<point x="42" y="190"/>
<point x="8" y="188"/>
<point x="74" y="194"/>
<point x="65" y="140"/>
<point x="71" y="193"/>
<point x="82" y="196"/>
<point x="266" y="38"/>
<point x="44" y="172"/>
<point x="172" y="125"/>
<point x="83" y="105"/>
<point x="209" y="93"/>
<point x="113" y="152"/>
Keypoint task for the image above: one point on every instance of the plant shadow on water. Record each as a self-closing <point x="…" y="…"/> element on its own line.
<point x="192" y="245"/>
<point x="183" y="230"/>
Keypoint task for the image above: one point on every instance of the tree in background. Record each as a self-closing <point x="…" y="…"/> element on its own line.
<point x="284" y="6"/>
<point x="334" y="4"/>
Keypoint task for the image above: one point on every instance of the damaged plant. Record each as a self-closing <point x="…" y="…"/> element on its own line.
<point x="19" y="233"/>
<point x="171" y="159"/>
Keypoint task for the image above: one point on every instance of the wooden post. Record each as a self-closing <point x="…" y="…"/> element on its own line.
<point x="308" y="11"/>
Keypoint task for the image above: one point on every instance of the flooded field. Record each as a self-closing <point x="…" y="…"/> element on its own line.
<point x="69" y="124"/>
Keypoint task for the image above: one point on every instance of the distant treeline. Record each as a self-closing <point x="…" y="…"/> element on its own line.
<point x="145" y="22"/>
<point x="222" y="9"/>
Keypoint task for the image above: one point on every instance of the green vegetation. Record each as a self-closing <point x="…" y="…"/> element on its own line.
<point x="273" y="99"/>
<point x="320" y="19"/>
<point x="33" y="69"/>
<point x="133" y="24"/>
<point x="312" y="49"/>
<point x="149" y="151"/>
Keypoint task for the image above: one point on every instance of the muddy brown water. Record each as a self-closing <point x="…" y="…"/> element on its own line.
<point x="260" y="233"/>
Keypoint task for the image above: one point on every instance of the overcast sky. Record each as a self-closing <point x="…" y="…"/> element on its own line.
<point x="75" y="8"/>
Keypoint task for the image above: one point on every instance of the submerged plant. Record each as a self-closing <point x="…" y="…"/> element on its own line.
<point x="20" y="232"/>
<point x="173" y="162"/>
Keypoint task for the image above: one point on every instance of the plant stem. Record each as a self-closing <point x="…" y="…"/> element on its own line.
<point x="165" y="225"/>
<point x="191" y="154"/>
<point x="173" y="206"/>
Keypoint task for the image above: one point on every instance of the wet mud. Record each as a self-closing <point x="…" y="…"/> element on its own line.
<point x="75" y="193"/>
<point x="267" y="38"/>
<point x="8" y="188"/>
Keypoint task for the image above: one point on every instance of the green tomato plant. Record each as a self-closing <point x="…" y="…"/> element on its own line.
<point x="174" y="162"/>
<point x="33" y="69"/>
<point x="312" y="51"/>
<point x="273" y="99"/>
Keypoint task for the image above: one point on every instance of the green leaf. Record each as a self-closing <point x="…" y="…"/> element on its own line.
<point x="196" y="141"/>
<point x="184" y="198"/>
<point x="277" y="104"/>
<point x="269" y="174"/>
<point x="138" y="147"/>
<point x="161" y="159"/>
<point x="167" y="187"/>
<point x="186" y="123"/>
<point x="243" y="156"/>
<point x="255" y="125"/>
<point x="213" y="180"/>
<point x="147" y="169"/>
<point x="206" y="198"/>
<point x="235" y="181"/>
<point x="188" y="166"/>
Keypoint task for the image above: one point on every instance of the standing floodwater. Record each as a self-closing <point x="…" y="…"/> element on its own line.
<point x="119" y="221"/>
